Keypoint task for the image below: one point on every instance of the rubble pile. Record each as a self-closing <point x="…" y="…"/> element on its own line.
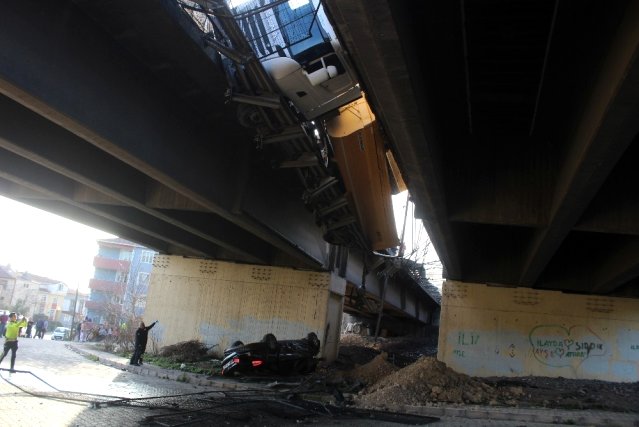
<point x="425" y="381"/>
<point x="373" y="371"/>
<point x="430" y="382"/>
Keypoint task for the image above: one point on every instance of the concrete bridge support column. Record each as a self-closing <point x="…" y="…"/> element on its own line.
<point x="495" y="331"/>
<point x="220" y="302"/>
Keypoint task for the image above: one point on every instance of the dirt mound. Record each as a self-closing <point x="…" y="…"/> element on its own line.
<point x="426" y="381"/>
<point x="373" y="371"/>
<point x="429" y="381"/>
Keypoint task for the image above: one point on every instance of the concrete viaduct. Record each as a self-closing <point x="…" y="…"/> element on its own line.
<point x="514" y="125"/>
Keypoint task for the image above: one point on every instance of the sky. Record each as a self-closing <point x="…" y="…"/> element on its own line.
<point x="47" y="245"/>
<point x="52" y="246"/>
<point x="415" y="238"/>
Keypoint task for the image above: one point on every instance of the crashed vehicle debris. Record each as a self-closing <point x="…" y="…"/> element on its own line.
<point x="283" y="357"/>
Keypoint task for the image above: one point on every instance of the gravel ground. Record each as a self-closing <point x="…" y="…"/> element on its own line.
<point x="392" y="371"/>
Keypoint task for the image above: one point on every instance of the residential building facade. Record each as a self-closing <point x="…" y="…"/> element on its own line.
<point x="120" y="281"/>
<point x="40" y="297"/>
<point x="7" y="287"/>
<point x="73" y="307"/>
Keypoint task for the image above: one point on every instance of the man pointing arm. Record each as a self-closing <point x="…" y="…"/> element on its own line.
<point x="11" y="337"/>
<point x="141" y="337"/>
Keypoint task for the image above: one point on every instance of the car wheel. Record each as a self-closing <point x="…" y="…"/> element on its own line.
<point x="271" y="342"/>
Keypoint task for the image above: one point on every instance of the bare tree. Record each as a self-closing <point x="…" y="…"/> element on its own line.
<point x="125" y="313"/>
<point x="416" y="245"/>
<point x="20" y="306"/>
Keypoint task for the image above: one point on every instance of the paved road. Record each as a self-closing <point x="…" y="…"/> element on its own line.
<point x="58" y="386"/>
<point x="30" y="399"/>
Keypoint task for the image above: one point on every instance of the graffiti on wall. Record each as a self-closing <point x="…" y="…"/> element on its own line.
<point x="465" y="339"/>
<point x="558" y="346"/>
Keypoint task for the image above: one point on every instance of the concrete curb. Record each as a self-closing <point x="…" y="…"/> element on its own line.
<point x="154" y="371"/>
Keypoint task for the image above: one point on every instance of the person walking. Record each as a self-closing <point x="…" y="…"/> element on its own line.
<point x="29" y="328"/>
<point x="11" y="338"/>
<point x="38" y="327"/>
<point x="4" y="318"/>
<point x="141" y="337"/>
<point x="45" y="326"/>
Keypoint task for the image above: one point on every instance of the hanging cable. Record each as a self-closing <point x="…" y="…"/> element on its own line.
<point x="402" y="246"/>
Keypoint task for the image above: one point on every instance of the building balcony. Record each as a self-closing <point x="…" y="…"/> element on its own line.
<point x="95" y="305"/>
<point x="111" y="264"/>
<point x="107" y="286"/>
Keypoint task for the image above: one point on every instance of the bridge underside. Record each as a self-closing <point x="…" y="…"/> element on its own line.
<point x="515" y="125"/>
<point x="114" y="115"/>
<point x="141" y="149"/>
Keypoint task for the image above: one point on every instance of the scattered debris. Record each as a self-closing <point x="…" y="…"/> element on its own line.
<point x="389" y="372"/>
<point x="428" y="381"/>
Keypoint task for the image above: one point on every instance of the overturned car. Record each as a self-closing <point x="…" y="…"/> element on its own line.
<point x="283" y="357"/>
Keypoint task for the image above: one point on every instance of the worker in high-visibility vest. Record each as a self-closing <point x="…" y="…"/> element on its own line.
<point x="11" y="337"/>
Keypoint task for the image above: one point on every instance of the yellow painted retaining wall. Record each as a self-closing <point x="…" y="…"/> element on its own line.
<point x="220" y="302"/>
<point x="495" y="331"/>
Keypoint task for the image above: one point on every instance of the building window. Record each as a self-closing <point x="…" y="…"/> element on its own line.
<point x="121" y="276"/>
<point x="143" y="279"/>
<point x="125" y="255"/>
<point x="43" y="298"/>
<point x="140" y="302"/>
<point x="147" y="257"/>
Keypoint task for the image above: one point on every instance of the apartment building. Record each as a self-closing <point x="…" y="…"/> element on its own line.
<point x="120" y="282"/>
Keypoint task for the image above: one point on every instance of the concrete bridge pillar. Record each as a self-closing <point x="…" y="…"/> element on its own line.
<point x="220" y="302"/>
<point x="497" y="331"/>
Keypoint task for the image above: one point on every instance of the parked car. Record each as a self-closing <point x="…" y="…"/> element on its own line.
<point x="283" y="357"/>
<point x="61" y="333"/>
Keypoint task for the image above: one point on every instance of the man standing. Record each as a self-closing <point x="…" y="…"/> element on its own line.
<point x="141" y="337"/>
<point x="39" y="325"/>
<point x="11" y="338"/>
<point x="45" y="326"/>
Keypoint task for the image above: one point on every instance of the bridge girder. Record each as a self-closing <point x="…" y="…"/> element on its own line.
<point x="516" y="127"/>
<point x="101" y="125"/>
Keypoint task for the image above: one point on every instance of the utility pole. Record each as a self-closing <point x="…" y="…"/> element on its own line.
<point x="75" y="306"/>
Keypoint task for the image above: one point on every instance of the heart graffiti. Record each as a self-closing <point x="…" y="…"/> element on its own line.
<point x="558" y="346"/>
